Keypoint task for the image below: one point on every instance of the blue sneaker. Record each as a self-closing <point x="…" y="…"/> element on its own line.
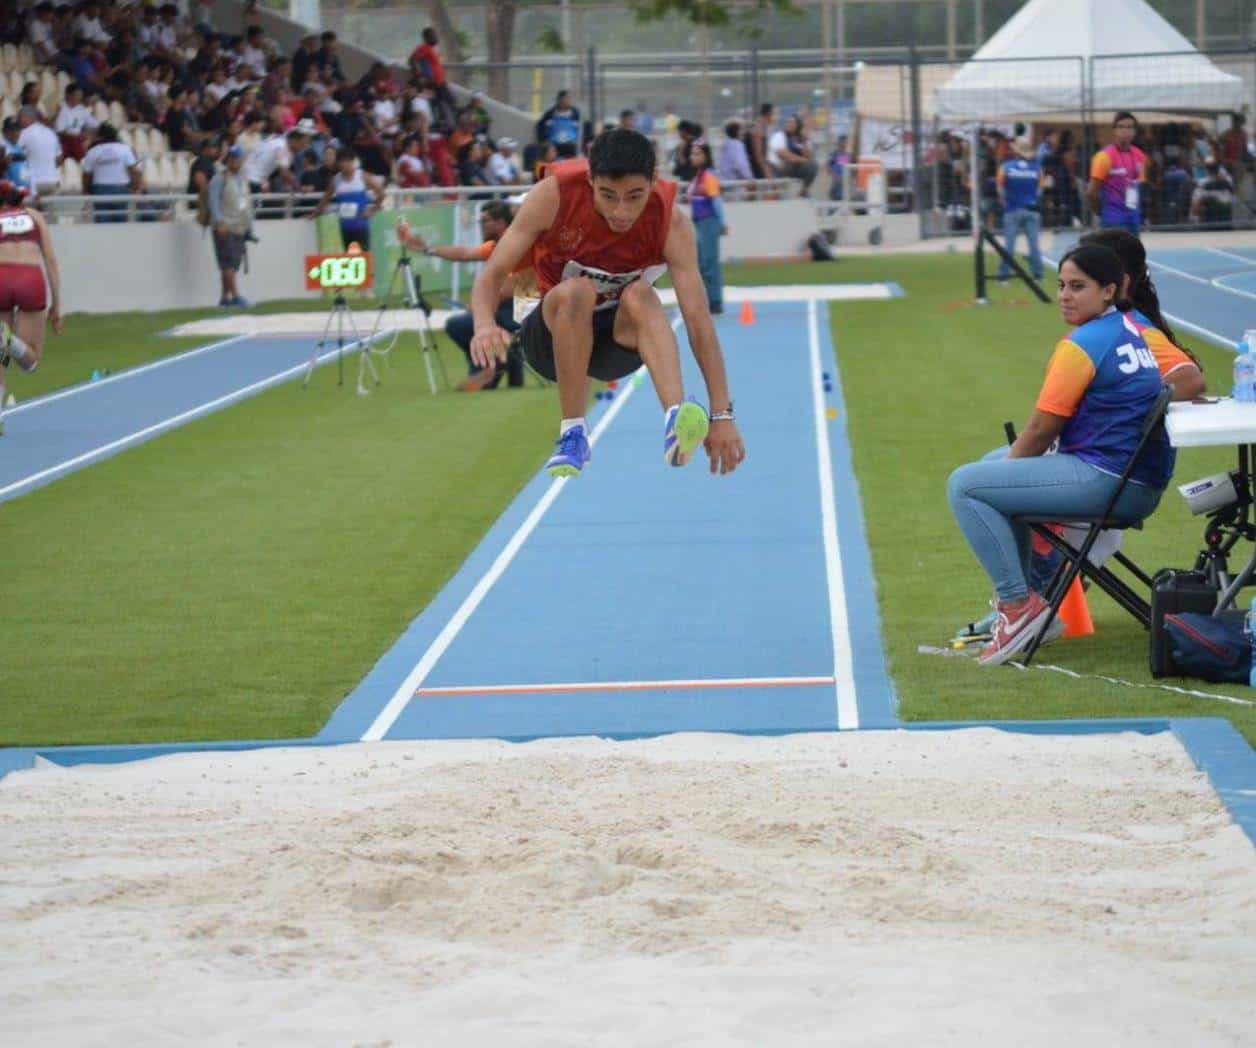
<point x="686" y="427"/>
<point x="572" y="452"/>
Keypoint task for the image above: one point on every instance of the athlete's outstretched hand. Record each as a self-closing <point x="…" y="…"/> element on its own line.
<point x="723" y="444"/>
<point x="489" y="346"/>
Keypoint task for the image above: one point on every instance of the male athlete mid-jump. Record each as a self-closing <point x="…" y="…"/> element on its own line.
<point x="597" y="233"/>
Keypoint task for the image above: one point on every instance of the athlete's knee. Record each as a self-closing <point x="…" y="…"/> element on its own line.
<point x="577" y="295"/>
<point x="639" y="298"/>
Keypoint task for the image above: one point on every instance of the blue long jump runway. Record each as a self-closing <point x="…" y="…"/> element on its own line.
<point x="51" y="436"/>
<point x="638" y="599"/>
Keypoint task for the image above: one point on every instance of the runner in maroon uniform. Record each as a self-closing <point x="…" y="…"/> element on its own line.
<point x="24" y="244"/>
<point x="597" y="234"/>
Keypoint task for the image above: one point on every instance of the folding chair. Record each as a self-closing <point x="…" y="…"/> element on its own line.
<point x="1075" y="559"/>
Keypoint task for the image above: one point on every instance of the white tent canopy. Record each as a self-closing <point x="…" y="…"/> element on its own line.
<point x="1121" y="55"/>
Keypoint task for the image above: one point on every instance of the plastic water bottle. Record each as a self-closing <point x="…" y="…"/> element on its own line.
<point x="1245" y="369"/>
<point x="1249" y="627"/>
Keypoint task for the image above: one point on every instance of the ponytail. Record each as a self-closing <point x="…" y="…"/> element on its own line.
<point x="1142" y="292"/>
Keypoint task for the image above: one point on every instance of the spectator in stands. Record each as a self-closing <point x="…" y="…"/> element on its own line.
<point x="328" y="58"/>
<point x="503" y="169"/>
<point x="302" y="153"/>
<point x="87" y="24"/>
<point x="560" y="126"/>
<point x="385" y="114"/>
<point x="16" y="170"/>
<point x="74" y="123"/>
<point x="270" y="160"/>
<point x="1050" y="142"/>
<point x="1234" y="146"/>
<point x="422" y="102"/>
<point x="231" y="211"/>
<point x="644" y="121"/>
<point x="1213" y="199"/>
<point x="473" y="164"/>
<point x="481" y="122"/>
<point x="110" y="168"/>
<point x="41" y="34"/>
<point x="304" y="60"/>
<point x="29" y="95"/>
<point x="411" y="168"/>
<point x="202" y="171"/>
<point x="757" y="141"/>
<point x="182" y="128"/>
<point x="427" y="65"/>
<point x="734" y="162"/>
<point x="682" y="155"/>
<point x="628" y="120"/>
<point x="789" y="151"/>
<point x="546" y="155"/>
<point x="317" y="179"/>
<point x="168" y="37"/>
<point x="253" y="53"/>
<point x="463" y="133"/>
<point x="43" y="152"/>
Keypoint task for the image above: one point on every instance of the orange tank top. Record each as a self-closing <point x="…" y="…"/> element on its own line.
<point x="581" y="244"/>
<point x="17" y="224"/>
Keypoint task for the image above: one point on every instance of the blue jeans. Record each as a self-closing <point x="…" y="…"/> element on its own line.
<point x="708" y="230"/>
<point x="460" y="327"/>
<point x="985" y="495"/>
<point x="110" y="212"/>
<point x="1014" y="222"/>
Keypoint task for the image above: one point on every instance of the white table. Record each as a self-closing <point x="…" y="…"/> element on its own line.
<point x="1191" y="424"/>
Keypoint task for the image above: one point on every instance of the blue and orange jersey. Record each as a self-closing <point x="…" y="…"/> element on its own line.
<point x="1168" y="356"/>
<point x="1103" y="378"/>
<point x="702" y="193"/>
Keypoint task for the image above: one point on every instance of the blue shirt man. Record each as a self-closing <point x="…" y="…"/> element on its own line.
<point x="560" y="124"/>
<point x="1020" y="183"/>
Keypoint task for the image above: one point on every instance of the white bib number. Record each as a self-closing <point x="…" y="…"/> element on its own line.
<point x="611" y="285"/>
<point x="1131" y="197"/>
<point x="349" y="209"/>
<point x="16" y="225"/>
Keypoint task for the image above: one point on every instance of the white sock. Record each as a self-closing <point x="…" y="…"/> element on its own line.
<point x="571" y="423"/>
<point x="22" y="354"/>
<point x="2" y="381"/>
<point x="669" y="410"/>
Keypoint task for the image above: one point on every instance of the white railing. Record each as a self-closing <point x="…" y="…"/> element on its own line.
<point x="182" y="207"/>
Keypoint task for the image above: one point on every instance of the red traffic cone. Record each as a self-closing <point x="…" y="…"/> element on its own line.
<point x="747" y="312"/>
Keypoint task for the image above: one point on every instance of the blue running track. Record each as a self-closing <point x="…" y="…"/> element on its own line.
<point x="51" y="436"/>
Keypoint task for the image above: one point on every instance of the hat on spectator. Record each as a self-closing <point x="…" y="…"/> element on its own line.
<point x="306" y="126"/>
<point x="507" y="143"/>
<point x="235" y="151"/>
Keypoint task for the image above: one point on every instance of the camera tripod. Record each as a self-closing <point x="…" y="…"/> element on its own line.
<point x="414" y="299"/>
<point x="341" y="317"/>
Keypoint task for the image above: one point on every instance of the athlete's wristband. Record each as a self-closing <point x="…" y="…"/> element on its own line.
<point x="724" y="416"/>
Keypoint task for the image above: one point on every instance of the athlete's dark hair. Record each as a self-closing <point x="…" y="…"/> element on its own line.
<point x="499" y="211"/>
<point x="1124" y="115"/>
<point x="346" y="153"/>
<point x="1142" y="294"/>
<point x="706" y="152"/>
<point x="620" y="152"/>
<point x="1099" y="263"/>
<point x="10" y="195"/>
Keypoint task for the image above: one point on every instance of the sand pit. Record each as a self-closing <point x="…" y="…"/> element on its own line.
<point x="881" y="888"/>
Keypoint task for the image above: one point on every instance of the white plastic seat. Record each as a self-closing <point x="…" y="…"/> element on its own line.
<point x="71" y="176"/>
<point x="100" y="110"/>
<point x="25" y="57"/>
<point x="157" y="144"/>
<point x="8" y="57"/>
<point x="117" y="114"/>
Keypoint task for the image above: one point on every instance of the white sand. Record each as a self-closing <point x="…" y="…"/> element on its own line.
<point x="882" y="888"/>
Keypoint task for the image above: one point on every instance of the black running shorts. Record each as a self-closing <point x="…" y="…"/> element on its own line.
<point x="609" y="361"/>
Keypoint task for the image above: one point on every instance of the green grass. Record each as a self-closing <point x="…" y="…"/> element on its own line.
<point x="237" y="577"/>
<point x="929" y="380"/>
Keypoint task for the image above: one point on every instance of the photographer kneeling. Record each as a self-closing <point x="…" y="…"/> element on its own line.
<point x="1101" y="382"/>
<point x="495" y="218"/>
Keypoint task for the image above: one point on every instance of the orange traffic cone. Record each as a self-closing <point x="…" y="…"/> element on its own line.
<point x="747" y="312"/>
<point x="1075" y="612"/>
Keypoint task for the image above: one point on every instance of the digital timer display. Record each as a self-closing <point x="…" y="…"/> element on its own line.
<point x="337" y="272"/>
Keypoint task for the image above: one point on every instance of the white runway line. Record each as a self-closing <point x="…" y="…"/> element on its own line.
<point x="121" y="376"/>
<point x="629" y="685"/>
<point x="405" y="692"/>
<point x="172" y="422"/>
<point x="843" y="657"/>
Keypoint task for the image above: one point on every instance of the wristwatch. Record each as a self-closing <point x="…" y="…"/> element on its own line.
<point x="724" y="416"/>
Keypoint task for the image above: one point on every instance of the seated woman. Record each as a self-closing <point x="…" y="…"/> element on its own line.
<point x="1101" y="382"/>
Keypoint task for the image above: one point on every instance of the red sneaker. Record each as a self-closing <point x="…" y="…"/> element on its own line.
<point x="1015" y="631"/>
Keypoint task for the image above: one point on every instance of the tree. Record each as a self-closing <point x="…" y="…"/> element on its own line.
<point x="451" y="42"/>
<point x="499" y="30"/>
<point x="703" y="12"/>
